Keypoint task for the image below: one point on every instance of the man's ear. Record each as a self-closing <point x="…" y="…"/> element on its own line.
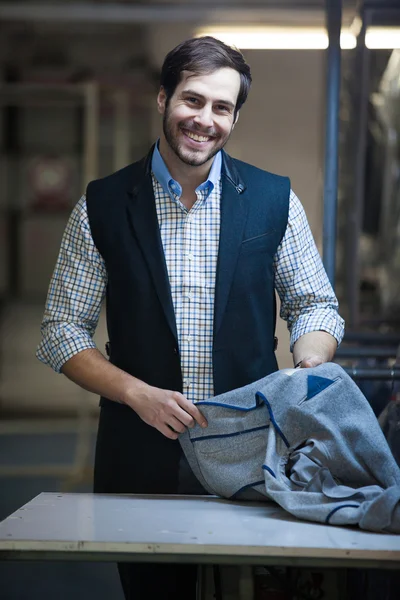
<point x="161" y="100"/>
<point x="236" y="119"/>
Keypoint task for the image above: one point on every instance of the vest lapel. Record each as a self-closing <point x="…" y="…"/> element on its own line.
<point x="234" y="208"/>
<point x="142" y="216"/>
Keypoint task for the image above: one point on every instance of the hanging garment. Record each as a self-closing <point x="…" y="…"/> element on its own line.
<point x="304" y="438"/>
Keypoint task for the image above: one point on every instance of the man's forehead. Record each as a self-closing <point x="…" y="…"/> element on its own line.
<point x="226" y="79"/>
<point x="227" y="72"/>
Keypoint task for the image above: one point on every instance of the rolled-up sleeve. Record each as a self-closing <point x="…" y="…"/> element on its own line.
<point x="77" y="289"/>
<point x="308" y="302"/>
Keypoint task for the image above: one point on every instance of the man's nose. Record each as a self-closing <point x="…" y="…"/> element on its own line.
<point x="204" y="117"/>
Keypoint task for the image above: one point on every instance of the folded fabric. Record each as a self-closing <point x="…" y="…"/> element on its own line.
<point x="304" y="438"/>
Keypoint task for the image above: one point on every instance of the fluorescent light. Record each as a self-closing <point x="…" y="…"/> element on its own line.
<point x="381" y="38"/>
<point x="295" y="38"/>
<point x="273" y="39"/>
<point x="301" y="38"/>
<point x="348" y="40"/>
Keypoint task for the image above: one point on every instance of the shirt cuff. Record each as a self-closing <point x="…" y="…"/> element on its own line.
<point x="322" y="320"/>
<point x="58" y="347"/>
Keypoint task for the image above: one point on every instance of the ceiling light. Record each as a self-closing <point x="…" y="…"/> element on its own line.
<point x="275" y="38"/>
<point x="381" y="38"/>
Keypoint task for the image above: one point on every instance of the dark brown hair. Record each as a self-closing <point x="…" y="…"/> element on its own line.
<point x="201" y="56"/>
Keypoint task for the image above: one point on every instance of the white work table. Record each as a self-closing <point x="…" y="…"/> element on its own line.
<point x="199" y="529"/>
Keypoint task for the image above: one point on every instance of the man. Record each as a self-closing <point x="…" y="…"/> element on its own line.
<point x="188" y="246"/>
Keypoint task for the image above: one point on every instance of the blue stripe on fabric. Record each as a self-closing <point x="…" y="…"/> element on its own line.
<point x="228" y="435"/>
<point x="270" y="471"/>
<point x="241" y="408"/>
<point x="246" y="487"/>
<point x="338" y="508"/>
<point x="271" y="416"/>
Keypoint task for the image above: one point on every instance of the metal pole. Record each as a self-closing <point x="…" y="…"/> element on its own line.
<point x="355" y="219"/>
<point x="334" y="22"/>
<point x="374" y="374"/>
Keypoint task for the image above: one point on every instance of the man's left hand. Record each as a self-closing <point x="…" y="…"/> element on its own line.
<point x="313" y="349"/>
<point x="310" y="361"/>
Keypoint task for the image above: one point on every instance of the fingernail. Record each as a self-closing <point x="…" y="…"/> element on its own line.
<point x="204" y="424"/>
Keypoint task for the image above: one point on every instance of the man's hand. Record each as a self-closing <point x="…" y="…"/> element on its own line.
<point x="169" y="412"/>
<point x="310" y="361"/>
<point x="313" y="349"/>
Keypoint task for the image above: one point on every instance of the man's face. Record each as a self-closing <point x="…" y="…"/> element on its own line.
<point x="199" y="117"/>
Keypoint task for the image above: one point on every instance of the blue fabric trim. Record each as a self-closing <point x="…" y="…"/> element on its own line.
<point x="270" y="471"/>
<point x="228" y="435"/>
<point x="338" y="508"/>
<point x="316" y="384"/>
<point x="246" y="487"/>
<point x="271" y="416"/>
<point x="242" y="408"/>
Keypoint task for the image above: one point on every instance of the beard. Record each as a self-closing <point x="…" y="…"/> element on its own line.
<point x="191" y="157"/>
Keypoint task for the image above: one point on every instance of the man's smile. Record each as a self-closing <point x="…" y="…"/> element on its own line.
<point x="197" y="137"/>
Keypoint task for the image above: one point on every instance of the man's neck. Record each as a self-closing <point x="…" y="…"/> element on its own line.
<point x="188" y="177"/>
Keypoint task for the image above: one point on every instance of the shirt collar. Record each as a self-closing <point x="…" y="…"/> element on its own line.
<point x="172" y="187"/>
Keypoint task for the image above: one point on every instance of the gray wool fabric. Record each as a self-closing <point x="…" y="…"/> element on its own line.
<point x="304" y="438"/>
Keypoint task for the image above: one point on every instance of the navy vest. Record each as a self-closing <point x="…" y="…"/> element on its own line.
<point x="140" y="315"/>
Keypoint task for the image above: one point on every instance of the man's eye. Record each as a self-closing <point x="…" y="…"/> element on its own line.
<point x="222" y="108"/>
<point x="192" y="100"/>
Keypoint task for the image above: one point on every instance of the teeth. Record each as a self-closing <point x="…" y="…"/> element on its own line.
<point x="197" y="138"/>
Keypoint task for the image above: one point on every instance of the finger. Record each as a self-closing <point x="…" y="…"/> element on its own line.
<point x="175" y="416"/>
<point x="167" y="432"/>
<point x="183" y="416"/>
<point x="190" y="408"/>
<point x="176" y="425"/>
<point x="197" y="415"/>
<point x="313" y="361"/>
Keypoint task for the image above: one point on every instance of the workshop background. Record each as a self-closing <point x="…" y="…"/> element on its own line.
<point x="78" y="83"/>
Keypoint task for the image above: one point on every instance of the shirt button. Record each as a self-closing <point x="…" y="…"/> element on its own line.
<point x="189" y="338"/>
<point x="190" y="256"/>
<point x="189" y="295"/>
<point x="186" y="383"/>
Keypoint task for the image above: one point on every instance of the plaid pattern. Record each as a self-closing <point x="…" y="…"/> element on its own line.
<point x="76" y="292"/>
<point x="190" y="241"/>
<point x="308" y="302"/>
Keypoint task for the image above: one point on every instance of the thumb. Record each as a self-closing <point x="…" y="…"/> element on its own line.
<point x="311" y="361"/>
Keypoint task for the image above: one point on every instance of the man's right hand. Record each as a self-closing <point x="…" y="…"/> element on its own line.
<point x="169" y="412"/>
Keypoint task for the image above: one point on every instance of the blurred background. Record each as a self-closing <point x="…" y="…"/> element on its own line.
<point x="78" y="84"/>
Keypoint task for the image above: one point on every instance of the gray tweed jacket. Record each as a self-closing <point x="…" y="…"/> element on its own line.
<point x="304" y="438"/>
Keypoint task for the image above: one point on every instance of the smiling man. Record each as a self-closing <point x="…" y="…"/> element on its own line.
<point x="198" y="117"/>
<point x="188" y="247"/>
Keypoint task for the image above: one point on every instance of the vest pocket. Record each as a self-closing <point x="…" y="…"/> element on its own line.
<point x="258" y="243"/>
<point x="316" y="386"/>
